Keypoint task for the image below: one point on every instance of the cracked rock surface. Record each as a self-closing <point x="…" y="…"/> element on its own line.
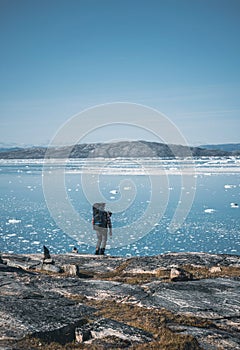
<point x="51" y="305"/>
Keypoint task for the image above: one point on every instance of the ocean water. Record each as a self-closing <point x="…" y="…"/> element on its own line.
<point x="158" y="206"/>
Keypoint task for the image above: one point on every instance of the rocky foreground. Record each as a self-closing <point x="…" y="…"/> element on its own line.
<point x="73" y="301"/>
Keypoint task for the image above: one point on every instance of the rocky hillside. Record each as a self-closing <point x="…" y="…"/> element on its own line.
<point x="73" y="301"/>
<point x="112" y="150"/>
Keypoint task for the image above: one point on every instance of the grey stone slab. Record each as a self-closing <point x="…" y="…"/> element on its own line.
<point x="209" y="298"/>
<point x="95" y="289"/>
<point x="210" y="339"/>
<point x="22" y="261"/>
<point x="33" y="313"/>
<point x="151" y="263"/>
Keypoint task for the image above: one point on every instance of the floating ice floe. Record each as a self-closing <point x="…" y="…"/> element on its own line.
<point x="36" y="242"/>
<point x="113" y="191"/>
<point x="229" y="186"/>
<point x="234" y="205"/>
<point x="209" y="211"/>
<point x="14" y="221"/>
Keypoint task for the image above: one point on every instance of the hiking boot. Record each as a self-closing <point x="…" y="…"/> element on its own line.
<point x="102" y="250"/>
<point x="97" y="251"/>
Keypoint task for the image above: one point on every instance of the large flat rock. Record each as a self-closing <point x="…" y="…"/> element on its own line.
<point x="153" y="263"/>
<point x="208" y="298"/>
<point x="51" y="305"/>
<point x="27" y="309"/>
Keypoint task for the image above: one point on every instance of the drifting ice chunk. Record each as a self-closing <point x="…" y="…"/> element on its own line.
<point x="113" y="191"/>
<point x="229" y="186"/>
<point x="14" y="221"/>
<point x="234" y="205"/>
<point x="209" y="210"/>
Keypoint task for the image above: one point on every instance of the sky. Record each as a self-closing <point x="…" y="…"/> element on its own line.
<point x="60" y="57"/>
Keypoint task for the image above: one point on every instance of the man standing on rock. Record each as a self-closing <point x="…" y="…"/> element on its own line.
<point x="101" y="224"/>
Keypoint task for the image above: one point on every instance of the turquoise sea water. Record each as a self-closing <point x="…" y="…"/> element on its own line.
<point x="212" y="224"/>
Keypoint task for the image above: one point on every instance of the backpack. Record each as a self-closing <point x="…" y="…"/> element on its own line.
<point x="99" y="216"/>
<point x="104" y="219"/>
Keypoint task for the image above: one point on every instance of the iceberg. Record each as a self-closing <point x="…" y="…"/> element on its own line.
<point x="210" y="210"/>
<point x="234" y="205"/>
<point x="113" y="191"/>
<point x="229" y="186"/>
<point x="14" y="221"/>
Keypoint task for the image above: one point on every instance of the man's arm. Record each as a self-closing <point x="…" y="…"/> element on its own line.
<point x="109" y="224"/>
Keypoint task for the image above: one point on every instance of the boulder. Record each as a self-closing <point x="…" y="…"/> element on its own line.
<point x="82" y="335"/>
<point x="51" y="268"/>
<point x="109" y="328"/>
<point x="215" y="269"/>
<point x="48" y="261"/>
<point x="70" y="269"/>
<point x="178" y="274"/>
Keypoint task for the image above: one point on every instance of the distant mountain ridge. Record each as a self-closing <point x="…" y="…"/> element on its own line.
<point x="126" y="149"/>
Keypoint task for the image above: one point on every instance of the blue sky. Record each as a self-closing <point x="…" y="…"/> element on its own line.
<point x="180" y="57"/>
